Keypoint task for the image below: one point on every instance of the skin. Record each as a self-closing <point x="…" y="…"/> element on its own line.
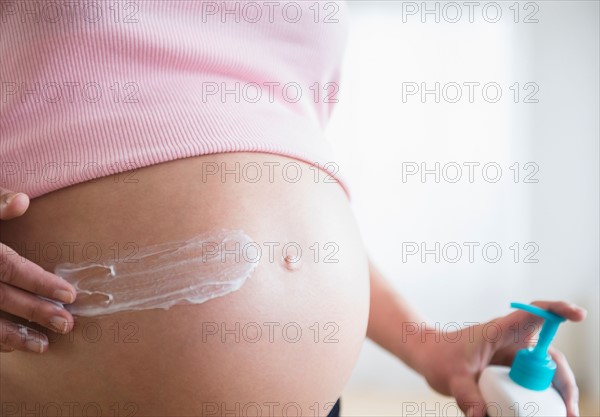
<point x="449" y="368"/>
<point x="165" y="362"/>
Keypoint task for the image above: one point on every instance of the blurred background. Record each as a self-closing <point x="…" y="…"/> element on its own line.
<point x="518" y="104"/>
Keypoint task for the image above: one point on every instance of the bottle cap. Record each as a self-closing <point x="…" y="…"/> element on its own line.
<point x="533" y="367"/>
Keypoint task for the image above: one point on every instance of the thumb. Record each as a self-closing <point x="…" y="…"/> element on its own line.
<point x="12" y="204"/>
<point x="466" y="392"/>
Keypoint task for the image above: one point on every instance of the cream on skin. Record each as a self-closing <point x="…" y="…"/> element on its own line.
<point x="160" y="276"/>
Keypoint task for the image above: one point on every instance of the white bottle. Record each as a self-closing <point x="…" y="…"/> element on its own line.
<point x="505" y="398"/>
<point x="525" y="388"/>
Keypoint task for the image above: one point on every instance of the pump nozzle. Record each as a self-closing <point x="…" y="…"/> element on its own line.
<point x="533" y="368"/>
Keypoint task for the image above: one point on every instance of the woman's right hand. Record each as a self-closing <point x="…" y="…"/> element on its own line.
<point x="21" y="282"/>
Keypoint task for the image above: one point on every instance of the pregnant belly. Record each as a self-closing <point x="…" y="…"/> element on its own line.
<point x="285" y="343"/>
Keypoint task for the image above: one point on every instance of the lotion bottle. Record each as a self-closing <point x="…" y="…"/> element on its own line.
<point x="525" y="388"/>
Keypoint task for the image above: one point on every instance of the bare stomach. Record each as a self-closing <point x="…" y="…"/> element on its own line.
<point x="285" y="343"/>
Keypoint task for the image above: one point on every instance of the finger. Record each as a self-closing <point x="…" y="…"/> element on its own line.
<point x="464" y="389"/>
<point x="22" y="273"/>
<point x="5" y="349"/>
<point x="28" y="306"/>
<point x="18" y="337"/>
<point x="564" y="381"/>
<point x="568" y="310"/>
<point x="519" y="328"/>
<point x="12" y="204"/>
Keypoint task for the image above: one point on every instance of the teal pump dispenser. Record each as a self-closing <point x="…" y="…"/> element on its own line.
<point x="527" y="385"/>
<point x="533" y="368"/>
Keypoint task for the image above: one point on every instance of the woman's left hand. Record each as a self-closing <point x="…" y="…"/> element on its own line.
<point x="452" y="363"/>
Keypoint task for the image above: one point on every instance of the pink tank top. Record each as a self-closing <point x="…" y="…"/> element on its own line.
<point x="93" y="88"/>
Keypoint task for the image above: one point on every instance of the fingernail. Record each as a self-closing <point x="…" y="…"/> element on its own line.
<point x="8" y="198"/>
<point x="471" y="412"/>
<point x="35" y="344"/>
<point x="59" y="324"/>
<point x="64" y="296"/>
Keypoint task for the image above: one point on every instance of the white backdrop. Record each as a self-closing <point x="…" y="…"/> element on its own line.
<point x="546" y="121"/>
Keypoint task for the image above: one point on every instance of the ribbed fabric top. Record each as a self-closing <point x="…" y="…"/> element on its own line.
<point x="93" y="88"/>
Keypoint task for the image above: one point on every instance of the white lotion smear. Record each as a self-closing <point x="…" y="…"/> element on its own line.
<point x="160" y="276"/>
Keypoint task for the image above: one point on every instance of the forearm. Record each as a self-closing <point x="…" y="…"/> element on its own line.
<point x="393" y="323"/>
